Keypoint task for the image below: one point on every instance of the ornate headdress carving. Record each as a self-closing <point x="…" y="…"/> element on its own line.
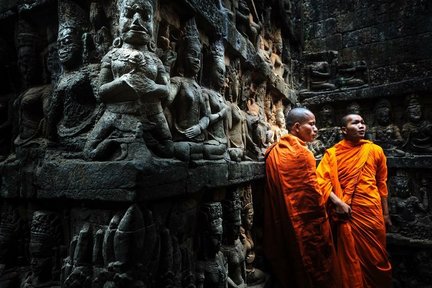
<point x="191" y="36"/>
<point x="232" y="208"/>
<point x="71" y="15"/>
<point x="217" y="49"/>
<point x="209" y="212"/>
<point x="44" y="233"/>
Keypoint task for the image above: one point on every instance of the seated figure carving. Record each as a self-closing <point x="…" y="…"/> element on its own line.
<point x="133" y="87"/>
<point x="385" y="133"/>
<point x="417" y="131"/>
<point x="215" y="147"/>
<point x="189" y="109"/>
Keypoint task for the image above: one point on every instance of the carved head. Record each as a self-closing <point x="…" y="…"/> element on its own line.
<point x="232" y="207"/>
<point x="327" y="113"/>
<point x="414" y="109"/>
<point x="44" y="237"/>
<point x="192" y="49"/>
<point x="353" y="108"/>
<point x="27" y="52"/>
<point x="218" y="67"/>
<point x="210" y="218"/>
<point x="382" y="112"/>
<point x="136" y="21"/>
<point x="69" y="46"/>
<point x="248" y="209"/>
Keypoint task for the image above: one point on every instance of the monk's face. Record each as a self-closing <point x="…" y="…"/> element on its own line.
<point x="355" y="128"/>
<point x="306" y="130"/>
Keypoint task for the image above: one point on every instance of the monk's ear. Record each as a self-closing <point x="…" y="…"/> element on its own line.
<point x="296" y="127"/>
<point x="343" y="129"/>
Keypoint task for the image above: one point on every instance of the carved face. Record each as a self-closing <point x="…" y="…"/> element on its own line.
<point x="248" y="217"/>
<point x="136" y="21"/>
<point x="69" y="46"/>
<point x="383" y="115"/>
<point x="218" y="73"/>
<point x="414" y="112"/>
<point x="192" y="59"/>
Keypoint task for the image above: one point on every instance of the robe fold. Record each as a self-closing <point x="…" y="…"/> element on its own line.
<point x="357" y="174"/>
<point x="297" y="235"/>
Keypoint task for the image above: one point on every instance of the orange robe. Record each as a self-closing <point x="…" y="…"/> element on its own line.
<point x="297" y="234"/>
<point x="360" y="240"/>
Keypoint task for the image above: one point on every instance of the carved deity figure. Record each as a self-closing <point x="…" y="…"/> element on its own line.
<point x="215" y="147"/>
<point x="189" y="109"/>
<point x="74" y="104"/>
<point x="385" y="133"/>
<point x="211" y="264"/>
<point x="232" y="246"/>
<point x="133" y="87"/>
<point x="276" y="55"/>
<point x="237" y="125"/>
<point x="245" y="22"/>
<point x="254" y="276"/>
<point x="417" y="131"/>
<point x="319" y="71"/>
<point x="45" y="236"/>
<point x="328" y="134"/>
<point x="31" y="104"/>
<point x="352" y="74"/>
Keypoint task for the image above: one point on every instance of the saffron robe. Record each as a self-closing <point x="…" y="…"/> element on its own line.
<point x="297" y="234"/>
<point x="357" y="174"/>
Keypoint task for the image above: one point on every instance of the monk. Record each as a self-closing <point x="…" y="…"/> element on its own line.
<point x="297" y="236"/>
<point x="354" y="170"/>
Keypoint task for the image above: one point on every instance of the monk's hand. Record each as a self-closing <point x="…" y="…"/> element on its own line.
<point x="343" y="208"/>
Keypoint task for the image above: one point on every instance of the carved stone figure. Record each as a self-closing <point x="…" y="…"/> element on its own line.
<point x="211" y="264"/>
<point x="276" y="55"/>
<point x="189" y="109"/>
<point x="328" y="133"/>
<point x="10" y="225"/>
<point x="237" y="132"/>
<point x="133" y="86"/>
<point x="232" y="246"/>
<point x="352" y="74"/>
<point x="45" y="236"/>
<point x="417" y="131"/>
<point x="385" y="133"/>
<point x="245" y="22"/>
<point x="254" y="276"/>
<point x="215" y="147"/>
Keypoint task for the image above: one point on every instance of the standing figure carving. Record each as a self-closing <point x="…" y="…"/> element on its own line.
<point x="45" y="237"/>
<point x="189" y="110"/>
<point x="211" y="264"/>
<point x="134" y="84"/>
<point x="215" y="147"/>
<point x="417" y="132"/>
<point x="232" y="246"/>
<point x="254" y="276"/>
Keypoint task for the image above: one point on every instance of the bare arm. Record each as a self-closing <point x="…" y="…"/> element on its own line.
<point x="341" y="207"/>
<point x="385" y="209"/>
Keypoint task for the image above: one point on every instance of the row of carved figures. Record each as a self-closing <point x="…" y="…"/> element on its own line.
<point x="129" y="106"/>
<point x="413" y="137"/>
<point x="133" y="250"/>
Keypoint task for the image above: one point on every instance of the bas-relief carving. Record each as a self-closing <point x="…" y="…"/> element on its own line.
<point x="417" y="131"/>
<point x="324" y="73"/>
<point x="254" y="276"/>
<point x="133" y="85"/>
<point x="211" y="267"/>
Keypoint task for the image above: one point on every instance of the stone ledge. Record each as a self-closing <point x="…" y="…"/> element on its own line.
<point x="399" y="240"/>
<point x="128" y="181"/>
<point x="366" y="92"/>
<point x="416" y="161"/>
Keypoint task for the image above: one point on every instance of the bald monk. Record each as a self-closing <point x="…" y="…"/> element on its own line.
<point x="297" y="235"/>
<point x="355" y="171"/>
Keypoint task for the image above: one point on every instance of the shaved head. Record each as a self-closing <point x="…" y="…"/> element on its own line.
<point x="345" y="119"/>
<point x="295" y="115"/>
